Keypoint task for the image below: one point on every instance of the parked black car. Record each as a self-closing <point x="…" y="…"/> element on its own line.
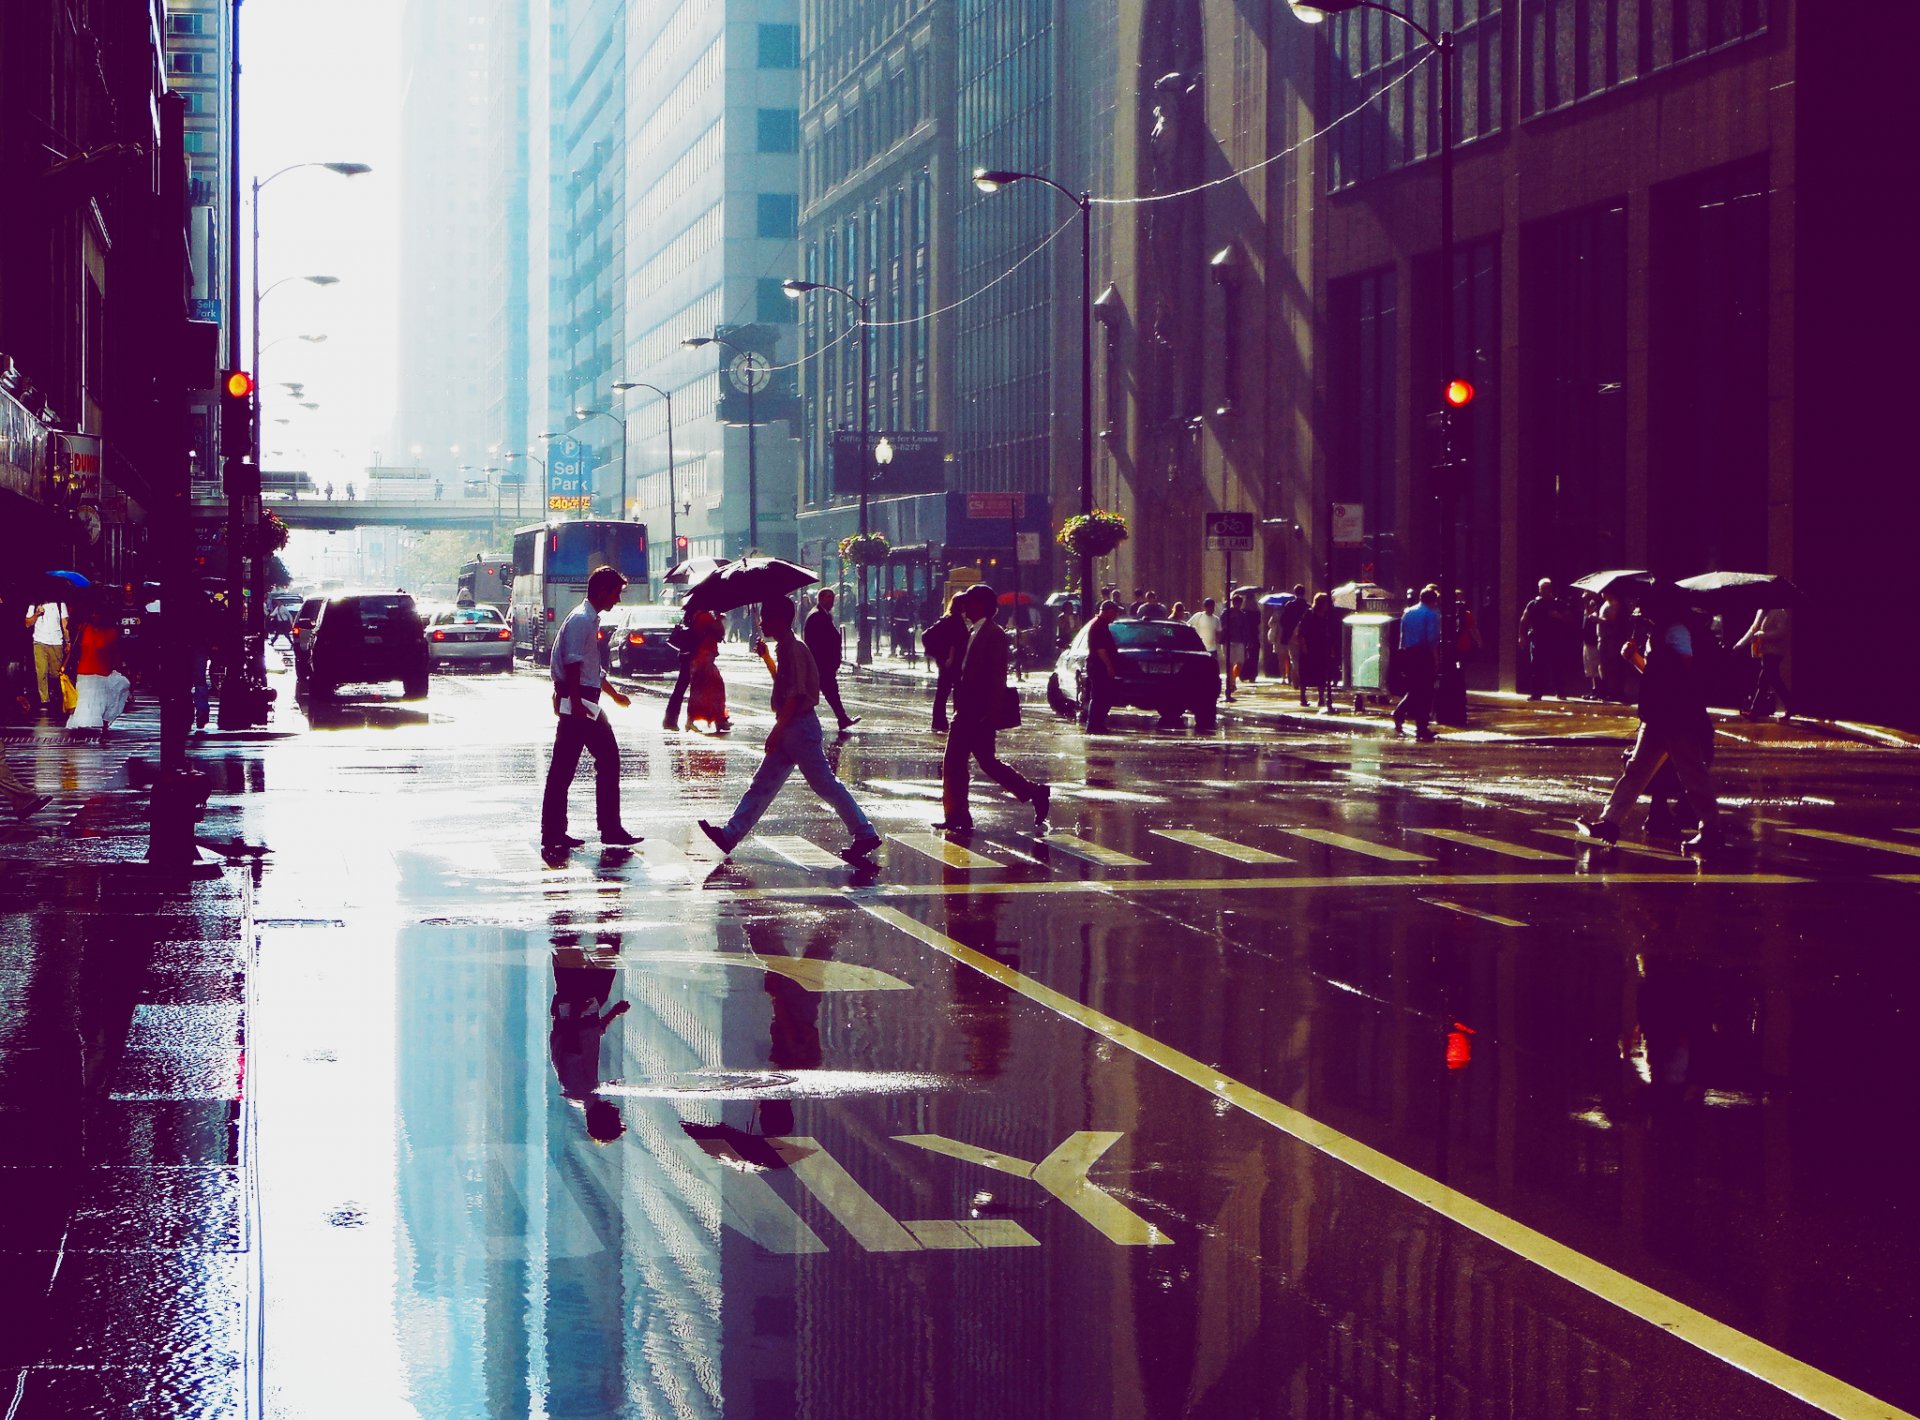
<point x="1164" y="667"/>
<point x="373" y="636"/>
<point x="302" y="635"/>
<point x="636" y="639"/>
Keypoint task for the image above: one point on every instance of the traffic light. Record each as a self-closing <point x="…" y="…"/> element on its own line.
<point x="237" y="427"/>
<point x="680" y="548"/>
<point x="1459" y="393"/>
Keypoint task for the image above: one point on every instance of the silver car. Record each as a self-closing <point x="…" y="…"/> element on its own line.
<point x="471" y="636"/>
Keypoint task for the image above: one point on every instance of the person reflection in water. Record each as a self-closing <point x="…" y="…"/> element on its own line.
<point x="581" y="1016"/>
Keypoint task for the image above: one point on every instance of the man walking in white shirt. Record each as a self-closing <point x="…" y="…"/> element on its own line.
<point x="578" y="683"/>
<point x="48" y="623"/>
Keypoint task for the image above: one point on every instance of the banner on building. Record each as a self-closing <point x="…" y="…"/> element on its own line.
<point x="569" y="476"/>
<point x="918" y="462"/>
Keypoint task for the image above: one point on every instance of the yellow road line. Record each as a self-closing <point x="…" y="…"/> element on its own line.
<point x="852" y="1207"/>
<point x="1357" y="845"/>
<point x="945" y="851"/>
<point x="1911" y="850"/>
<point x="812" y="973"/>
<point x="1225" y="848"/>
<point x="1745" y="1353"/>
<point x="1466" y="911"/>
<point x="801" y="852"/>
<point x="1092" y="852"/>
<point x="1492" y="845"/>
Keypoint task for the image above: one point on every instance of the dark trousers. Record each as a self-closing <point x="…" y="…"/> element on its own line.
<point x="1093" y="714"/>
<point x="1768" y="686"/>
<point x="970" y="739"/>
<point x="830" y="692"/>
<point x="942" y="693"/>
<point x="1419" y="668"/>
<point x="573" y="734"/>
<point x="678" y="695"/>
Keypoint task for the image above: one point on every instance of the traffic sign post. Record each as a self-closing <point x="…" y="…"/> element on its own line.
<point x="1229" y="533"/>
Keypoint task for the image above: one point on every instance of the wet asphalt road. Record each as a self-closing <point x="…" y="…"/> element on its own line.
<point x="1289" y="1076"/>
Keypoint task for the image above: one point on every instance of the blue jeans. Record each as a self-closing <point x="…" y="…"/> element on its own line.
<point x="800" y="746"/>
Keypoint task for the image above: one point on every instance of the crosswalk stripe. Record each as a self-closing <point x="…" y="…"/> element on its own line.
<point x="1107" y="796"/>
<point x="1358" y="845"/>
<point x="801" y="852"/>
<point x="1645" y="850"/>
<point x="1092" y="852"/>
<point x="1492" y="845"/>
<point x="1225" y="848"/>
<point x="943" y="851"/>
<point x="906" y="788"/>
<point x="1910" y="850"/>
<point x="1466" y="911"/>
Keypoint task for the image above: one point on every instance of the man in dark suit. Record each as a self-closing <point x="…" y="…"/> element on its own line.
<point x="943" y="642"/>
<point x="822" y="639"/>
<point x="979" y="698"/>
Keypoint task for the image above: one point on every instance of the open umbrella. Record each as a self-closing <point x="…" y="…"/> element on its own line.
<point x="57" y="586"/>
<point x="746" y="581"/>
<point x="694" y="568"/>
<point x="1348" y="595"/>
<point x="1245" y="592"/>
<point x="1752" y="591"/>
<point x="1008" y="598"/>
<point x="1600" y="583"/>
<point x="1277" y="599"/>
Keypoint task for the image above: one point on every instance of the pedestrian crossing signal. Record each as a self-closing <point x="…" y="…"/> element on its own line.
<point x="237" y="427"/>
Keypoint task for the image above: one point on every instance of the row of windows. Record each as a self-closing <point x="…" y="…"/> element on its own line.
<point x="844" y="34"/>
<point x="694" y="92"/>
<point x="887" y="112"/>
<point x="688" y="172"/>
<point x="702" y="236"/>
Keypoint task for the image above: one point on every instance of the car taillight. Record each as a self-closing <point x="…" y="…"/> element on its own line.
<point x="503" y="635"/>
<point x="439" y="635"/>
<point x="635" y="638"/>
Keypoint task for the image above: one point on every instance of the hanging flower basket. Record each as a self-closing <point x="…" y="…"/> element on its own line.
<point x="270" y="537"/>
<point x="1092" y="534"/>
<point x="865" y="549"/>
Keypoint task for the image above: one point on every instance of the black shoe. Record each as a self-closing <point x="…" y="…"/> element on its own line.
<point x="860" y="852"/>
<point x="849" y="722"/>
<point x="563" y="840"/>
<point x="1042" y="801"/>
<point x="670" y="723"/>
<point x="1702" y="842"/>
<point x="954" y="825"/>
<point x="1597" y="828"/>
<point x="719" y="837"/>
<point x="32" y="806"/>
<point x="1425" y="736"/>
<point x="619" y="838"/>
<point x="939" y="727"/>
<point x="559" y="847"/>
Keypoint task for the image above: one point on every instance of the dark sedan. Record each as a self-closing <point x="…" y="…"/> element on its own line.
<point x="1164" y="667"/>
<point x="636" y="639"/>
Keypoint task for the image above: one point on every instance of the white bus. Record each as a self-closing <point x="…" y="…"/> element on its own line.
<point x="551" y="564"/>
<point x="487" y="581"/>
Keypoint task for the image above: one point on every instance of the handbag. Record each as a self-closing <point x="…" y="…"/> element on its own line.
<point x="1006" y="708"/>
<point x="69" y="693"/>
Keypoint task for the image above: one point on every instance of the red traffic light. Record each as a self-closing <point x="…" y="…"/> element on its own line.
<point x="680" y="545"/>
<point x="237" y="383"/>
<point x="1459" y="1046"/>
<point x="1459" y="394"/>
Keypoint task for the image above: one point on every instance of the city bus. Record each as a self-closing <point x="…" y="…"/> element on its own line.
<point x="551" y="564"/>
<point x="488" y="581"/>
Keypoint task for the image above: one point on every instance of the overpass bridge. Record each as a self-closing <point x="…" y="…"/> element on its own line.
<point x="340" y="514"/>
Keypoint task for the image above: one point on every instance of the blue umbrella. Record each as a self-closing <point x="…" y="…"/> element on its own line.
<point x="73" y="579"/>
<point x="1277" y="599"/>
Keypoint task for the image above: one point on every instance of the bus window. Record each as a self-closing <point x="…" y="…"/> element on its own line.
<point x="575" y="549"/>
<point x="525" y="544"/>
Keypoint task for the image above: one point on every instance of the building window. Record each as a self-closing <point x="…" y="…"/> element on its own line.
<point x="772" y="305"/>
<point x="189" y="64"/>
<point x="1573" y="273"/>
<point x="779" y="46"/>
<point x="1365" y="402"/>
<point x="202" y="140"/>
<point x="779" y="130"/>
<point x="1574" y="49"/>
<point x="186" y="24"/>
<point x="779" y="215"/>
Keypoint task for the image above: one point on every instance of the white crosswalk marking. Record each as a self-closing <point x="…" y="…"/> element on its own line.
<point x="1358" y="845"/>
<point x="1910" y="850"/>
<point x="943" y="851"/>
<point x="1092" y="852"/>
<point x="801" y="852"/>
<point x="1645" y="850"/>
<point x="1492" y="845"/>
<point x="1225" y="848"/>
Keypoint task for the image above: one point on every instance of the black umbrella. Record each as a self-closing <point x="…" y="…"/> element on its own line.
<point x="747" y="581"/>
<point x="1600" y="583"/>
<point x="1754" y="591"/>
<point x="694" y="568"/>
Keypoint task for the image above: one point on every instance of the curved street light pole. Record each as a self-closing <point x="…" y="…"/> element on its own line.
<point x="584" y="414"/>
<point x="991" y="180"/>
<point x="694" y="342"/>
<point x="863" y="652"/>
<point x="673" y="502"/>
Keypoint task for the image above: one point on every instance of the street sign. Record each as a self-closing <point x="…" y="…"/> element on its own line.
<point x="1229" y="532"/>
<point x="996" y="506"/>
<point x="1027" y="547"/>
<point x="1349" y="525"/>
<point x="919" y="462"/>
<point x="569" y="477"/>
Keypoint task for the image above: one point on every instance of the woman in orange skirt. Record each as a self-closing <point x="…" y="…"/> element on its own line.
<point x="706" y="690"/>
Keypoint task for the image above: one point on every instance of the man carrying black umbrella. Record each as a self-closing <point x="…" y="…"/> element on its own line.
<point x="980" y="710"/>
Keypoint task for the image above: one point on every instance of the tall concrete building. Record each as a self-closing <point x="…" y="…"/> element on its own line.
<point x="450" y="204"/>
<point x="712" y="182"/>
<point x="513" y="39"/>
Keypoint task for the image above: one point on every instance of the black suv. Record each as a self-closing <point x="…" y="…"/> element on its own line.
<point x="367" y="637"/>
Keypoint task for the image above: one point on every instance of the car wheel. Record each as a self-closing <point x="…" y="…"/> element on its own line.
<point x="504" y="665"/>
<point x="414" y="687"/>
<point x="1057" y="700"/>
<point x="1205" y="719"/>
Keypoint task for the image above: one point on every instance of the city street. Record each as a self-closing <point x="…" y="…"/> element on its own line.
<point x="1285" y="1064"/>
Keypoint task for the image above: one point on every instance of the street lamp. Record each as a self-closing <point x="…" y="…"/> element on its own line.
<point x="673" y="503"/>
<point x="589" y="414"/>
<point x="991" y="180"/>
<point x="748" y="379"/>
<point x="795" y="289"/>
<point x="1451" y="705"/>
<point x="520" y="485"/>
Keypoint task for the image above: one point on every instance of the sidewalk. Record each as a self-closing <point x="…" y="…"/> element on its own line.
<point x="123" y="1155"/>
<point x="1493" y="716"/>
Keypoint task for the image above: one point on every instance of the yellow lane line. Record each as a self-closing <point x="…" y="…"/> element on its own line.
<point x="1357" y="845"/>
<point x="1492" y="845"/>
<point x="1225" y="848"/>
<point x="1092" y="852"/>
<point x="1911" y="850"/>
<point x="945" y="851"/>
<point x="1745" y="1353"/>
<point x="811" y="973"/>
<point x="1898" y="877"/>
<point x="852" y="1207"/>
<point x="801" y="852"/>
<point x="1466" y="911"/>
